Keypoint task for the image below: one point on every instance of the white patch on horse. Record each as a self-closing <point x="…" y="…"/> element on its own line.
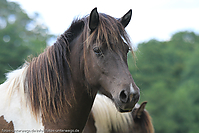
<point x="132" y="90"/>
<point x="14" y="105"/>
<point x="104" y="120"/>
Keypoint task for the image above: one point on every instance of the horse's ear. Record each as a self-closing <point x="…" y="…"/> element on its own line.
<point x="126" y="18"/>
<point x="140" y="110"/>
<point x="93" y="19"/>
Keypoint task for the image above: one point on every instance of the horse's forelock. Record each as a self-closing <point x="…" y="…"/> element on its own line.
<point x="109" y="31"/>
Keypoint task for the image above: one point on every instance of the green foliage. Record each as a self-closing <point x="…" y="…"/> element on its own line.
<point x="20" y="36"/>
<point x="167" y="75"/>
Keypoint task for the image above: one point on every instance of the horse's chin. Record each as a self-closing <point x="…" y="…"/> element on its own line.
<point x="123" y="110"/>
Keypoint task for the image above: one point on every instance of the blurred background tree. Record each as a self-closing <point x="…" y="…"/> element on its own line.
<point x="166" y="71"/>
<point x="20" y="36"/>
<point x="167" y="74"/>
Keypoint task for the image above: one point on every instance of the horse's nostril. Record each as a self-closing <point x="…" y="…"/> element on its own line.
<point x="136" y="96"/>
<point x="123" y="96"/>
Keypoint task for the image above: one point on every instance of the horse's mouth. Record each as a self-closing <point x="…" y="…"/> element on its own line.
<point x="123" y="110"/>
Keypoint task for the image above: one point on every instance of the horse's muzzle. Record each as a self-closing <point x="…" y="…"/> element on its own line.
<point x="127" y="100"/>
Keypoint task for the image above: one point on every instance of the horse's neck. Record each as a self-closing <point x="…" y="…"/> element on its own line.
<point x="83" y="99"/>
<point x="77" y="115"/>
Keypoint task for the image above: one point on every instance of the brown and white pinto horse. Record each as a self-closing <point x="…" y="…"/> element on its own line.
<point x="56" y="90"/>
<point x="105" y="118"/>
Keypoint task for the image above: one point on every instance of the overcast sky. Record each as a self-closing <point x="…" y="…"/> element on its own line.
<point x="157" y="19"/>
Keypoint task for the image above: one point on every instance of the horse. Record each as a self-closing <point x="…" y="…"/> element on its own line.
<point x="54" y="92"/>
<point x="105" y="118"/>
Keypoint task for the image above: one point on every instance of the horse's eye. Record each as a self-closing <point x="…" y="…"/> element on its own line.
<point x="97" y="50"/>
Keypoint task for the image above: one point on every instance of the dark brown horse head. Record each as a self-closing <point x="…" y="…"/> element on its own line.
<point x="105" y="55"/>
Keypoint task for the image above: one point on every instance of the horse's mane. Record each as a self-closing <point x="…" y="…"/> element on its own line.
<point x="146" y="122"/>
<point x="49" y="76"/>
<point x="108" y="118"/>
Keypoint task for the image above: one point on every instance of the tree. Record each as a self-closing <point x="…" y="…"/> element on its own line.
<point x="167" y="75"/>
<point x="20" y="36"/>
